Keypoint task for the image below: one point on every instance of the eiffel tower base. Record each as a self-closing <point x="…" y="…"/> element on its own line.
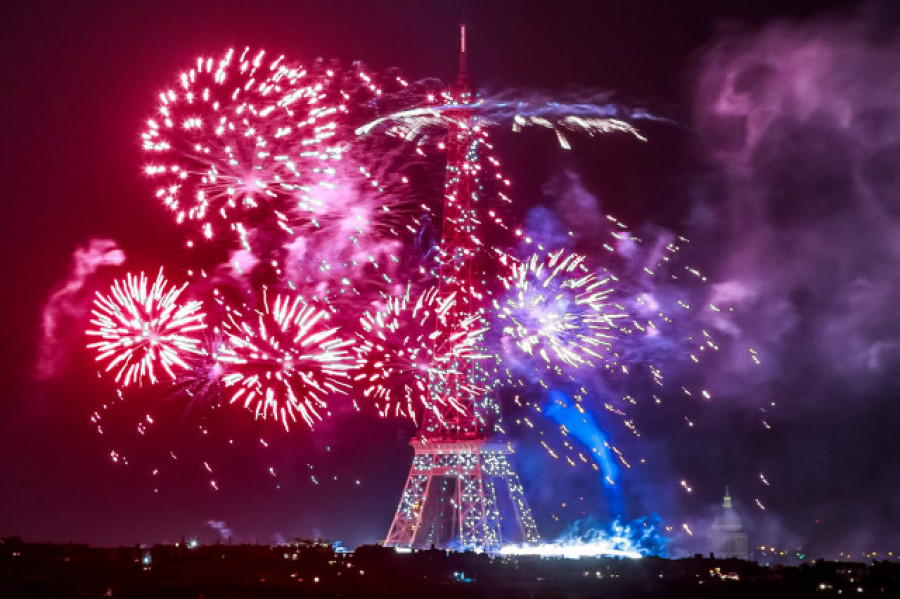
<point x="462" y="495"/>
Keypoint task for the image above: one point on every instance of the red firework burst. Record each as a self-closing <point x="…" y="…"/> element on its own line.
<point x="284" y="360"/>
<point x="142" y="329"/>
<point x="404" y="354"/>
<point x="239" y="138"/>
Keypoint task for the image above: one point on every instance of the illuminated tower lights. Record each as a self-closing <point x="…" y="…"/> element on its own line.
<point x="462" y="491"/>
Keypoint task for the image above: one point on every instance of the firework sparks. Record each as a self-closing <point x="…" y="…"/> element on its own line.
<point x="238" y="137"/>
<point x="144" y="328"/>
<point x="256" y="148"/>
<point x="403" y="353"/>
<point x="554" y="308"/>
<point x="202" y="381"/>
<point x="284" y="360"/>
<point x="590" y="125"/>
<point x="592" y="119"/>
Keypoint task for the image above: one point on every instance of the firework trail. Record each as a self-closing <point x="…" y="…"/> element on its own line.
<point x="581" y="425"/>
<point x="142" y="329"/>
<point x="283" y="360"/>
<point x="587" y="112"/>
<point x="589" y="115"/>
<point x="403" y="352"/>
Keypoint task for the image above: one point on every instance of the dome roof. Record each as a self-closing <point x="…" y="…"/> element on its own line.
<point x="727" y="520"/>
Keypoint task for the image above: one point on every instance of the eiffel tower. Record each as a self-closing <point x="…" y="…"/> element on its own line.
<point x="462" y="491"/>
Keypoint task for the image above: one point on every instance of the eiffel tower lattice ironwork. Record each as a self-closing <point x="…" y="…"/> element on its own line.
<point x="462" y="491"/>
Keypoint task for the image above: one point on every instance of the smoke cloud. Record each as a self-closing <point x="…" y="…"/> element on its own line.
<point x="64" y="313"/>
<point x="797" y="226"/>
<point x="223" y="531"/>
<point x="800" y="123"/>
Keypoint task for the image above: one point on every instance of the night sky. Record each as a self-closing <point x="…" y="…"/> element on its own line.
<point x="777" y="152"/>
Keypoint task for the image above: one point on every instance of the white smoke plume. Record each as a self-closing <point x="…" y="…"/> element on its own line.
<point x="223" y="531"/>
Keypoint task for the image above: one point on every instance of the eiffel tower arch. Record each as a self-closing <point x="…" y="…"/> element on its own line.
<point x="462" y="495"/>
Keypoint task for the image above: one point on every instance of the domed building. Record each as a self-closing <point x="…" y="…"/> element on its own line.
<point x="726" y="534"/>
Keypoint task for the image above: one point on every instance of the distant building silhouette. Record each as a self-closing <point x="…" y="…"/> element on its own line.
<point x="726" y="534"/>
<point x="319" y="569"/>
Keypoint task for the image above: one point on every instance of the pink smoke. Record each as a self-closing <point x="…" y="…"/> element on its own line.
<point x="67" y="306"/>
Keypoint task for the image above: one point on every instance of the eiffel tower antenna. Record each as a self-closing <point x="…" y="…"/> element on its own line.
<point x="462" y="77"/>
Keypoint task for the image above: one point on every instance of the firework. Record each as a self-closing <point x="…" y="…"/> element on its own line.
<point x="329" y="196"/>
<point x="404" y="354"/>
<point x="571" y="122"/>
<point x="283" y="361"/>
<point x="239" y="142"/>
<point x="143" y="329"/>
<point x="556" y="309"/>
<point x="583" y="117"/>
